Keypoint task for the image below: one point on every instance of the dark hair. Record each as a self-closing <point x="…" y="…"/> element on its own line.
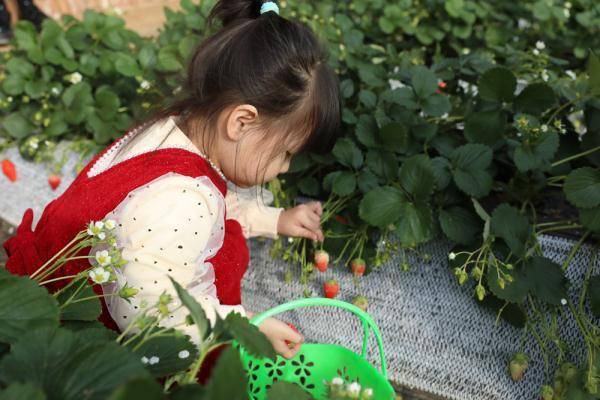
<point x="272" y="63"/>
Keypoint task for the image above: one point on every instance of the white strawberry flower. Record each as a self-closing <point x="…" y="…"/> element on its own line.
<point x="571" y="74"/>
<point x="536" y="52"/>
<point x="452" y="255"/>
<point x="563" y="302"/>
<point x="145" y="84"/>
<point x="110" y="224"/>
<point x="183" y="354"/>
<point x="55" y="91"/>
<point x="544" y="128"/>
<point x="353" y="390"/>
<point x="103" y="258"/>
<point x="75" y="77"/>
<point x="567" y="12"/>
<point x="395" y="84"/>
<point x="540" y="45"/>
<point x="99" y="275"/>
<point x="337" y="381"/>
<point x="523" y="23"/>
<point x="153" y="360"/>
<point x="545" y="75"/>
<point x="568" y="4"/>
<point x="144" y="360"/>
<point x="95" y="228"/>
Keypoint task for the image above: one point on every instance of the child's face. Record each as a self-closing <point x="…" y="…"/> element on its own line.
<point x="245" y="157"/>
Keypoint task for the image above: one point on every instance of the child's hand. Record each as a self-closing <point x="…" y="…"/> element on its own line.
<point x="278" y="334"/>
<point x="302" y="221"/>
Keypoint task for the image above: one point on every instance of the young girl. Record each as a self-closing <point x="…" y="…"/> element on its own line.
<point x="257" y="92"/>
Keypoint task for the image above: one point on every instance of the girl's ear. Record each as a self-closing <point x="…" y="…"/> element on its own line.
<point x="239" y="120"/>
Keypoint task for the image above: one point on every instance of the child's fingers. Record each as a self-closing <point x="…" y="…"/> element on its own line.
<point x="307" y="233"/>
<point x="283" y="349"/>
<point x="309" y="222"/>
<point x="316" y="207"/>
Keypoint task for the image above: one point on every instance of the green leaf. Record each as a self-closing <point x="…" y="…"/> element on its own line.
<point x="36" y="89"/>
<point x="196" y="311"/>
<point x="25" y="35"/>
<point x="593" y="71"/>
<point x="22" y="391"/>
<point x="13" y="85"/>
<point x="187" y="392"/>
<point x="147" y="389"/>
<point x="248" y="336"/>
<point x="367" y="181"/>
<point x="537" y="154"/>
<point x="344" y="183"/>
<point x="460" y="224"/>
<point x="512" y="226"/>
<point x="382" y="163"/>
<point x="168" y="60"/>
<point x="57" y="125"/>
<point x="486" y="127"/>
<point x="228" y="380"/>
<point x="582" y="187"/>
<point x="347" y="153"/>
<point x="167" y="348"/>
<point x="441" y="172"/>
<point x="515" y="291"/>
<point x="415" y="225"/>
<point x="593" y="295"/>
<point x="127" y="65"/>
<point x="546" y="279"/>
<point x="68" y="367"/>
<point x="282" y="390"/>
<point x="88" y="310"/>
<point x="107" y="101"/>
<point x="366" y="130"/>
<point x="17" y="126"/>
<point x="347" y="88"/>
<point x="394" y="136"/>
<point x="424" y="82"/>
<point x="437" y="105"/>
<point x="590" y="218"/>
<point x="368" y="98"/>
<point x="21" y="67"/>
<point x="147" y="56"/>
<point x="497" y="84"/>
<point x="381" y="206"/>
<point x="417" y="177"/>
<point x="535" y="99"/>
<point x="51" y="31"/>
<point x="309" y="186"/>
<point x="469" y="169"/>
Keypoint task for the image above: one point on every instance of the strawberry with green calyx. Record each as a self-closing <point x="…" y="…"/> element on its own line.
<point x="54" y="181"/>
<point x="547" y="393"/>
<point x="331" y="288"/>
<point x="361" y="302"/>
<point x="358" y="267"/>
<point x="321" y="260"/>
<point x="518" y="365"/>
<point x="567" y="371"/>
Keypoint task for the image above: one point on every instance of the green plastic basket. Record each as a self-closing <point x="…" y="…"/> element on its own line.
<point x="316" y="363"/>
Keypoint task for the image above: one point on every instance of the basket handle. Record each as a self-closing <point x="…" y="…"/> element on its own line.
<point x="367" y="322"/>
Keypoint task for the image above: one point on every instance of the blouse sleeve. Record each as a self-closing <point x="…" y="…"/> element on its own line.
<point x="169" y="227"/>
<point x="249" y="208"/>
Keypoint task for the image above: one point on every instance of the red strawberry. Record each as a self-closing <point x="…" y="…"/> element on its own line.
<point x="361" y="302"/>
<point x="321" y="260"/>
<point x="331" y="288"/>
<point x="518" y="365"/>
<point x="9" y="170"/>
<point x="287" y="342"/>
<point x="358" y="266"/>
<point x="54" y="181"/>
<point x="442" y="85"/>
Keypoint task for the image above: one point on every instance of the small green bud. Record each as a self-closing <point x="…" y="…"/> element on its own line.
<point x="480" y="292"/>
<point x="501" y="283"/>
<point x="547" y="393"/>
<point x="463" y="278"/>
<point x="476" y="273"/>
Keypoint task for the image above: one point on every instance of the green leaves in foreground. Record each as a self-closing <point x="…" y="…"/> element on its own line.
<point x="469" y="169"/>
<point x="65" y="366"/>
<point x="582" y="189"/>
<point x="24" y="306"/>
<point x="513" y="227"/>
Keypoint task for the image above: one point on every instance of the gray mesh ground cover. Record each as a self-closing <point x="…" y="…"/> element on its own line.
<point x="436" y="337"/>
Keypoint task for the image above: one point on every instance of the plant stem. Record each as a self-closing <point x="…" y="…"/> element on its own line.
<point x="578" y="155"/>
<point x="560" y="228"/>
<point x="574" y="250"/>
<point x="75" y="239"/>
<point x="57" y="279"/>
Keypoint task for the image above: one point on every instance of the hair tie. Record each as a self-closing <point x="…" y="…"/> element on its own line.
<point x="269" y="6"/>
